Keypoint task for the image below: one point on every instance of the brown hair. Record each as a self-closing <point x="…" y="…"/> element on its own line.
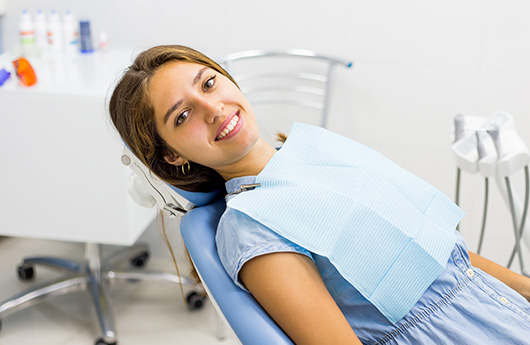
<point x="132" y="114"/>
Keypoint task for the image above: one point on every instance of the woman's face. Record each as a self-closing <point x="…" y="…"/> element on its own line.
<point x="202" y="115"/>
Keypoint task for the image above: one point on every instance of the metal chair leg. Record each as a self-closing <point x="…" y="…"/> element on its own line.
<point x="125" y="254"/>
<point x="145" y="275"/>
<point x="42" y="292"/>
<point x="65" y="264"/>
<point x="102" y="302"/>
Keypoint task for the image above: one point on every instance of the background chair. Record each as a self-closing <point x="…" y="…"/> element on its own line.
<point x="95" y="275"/>
<point x="297" y="83"/>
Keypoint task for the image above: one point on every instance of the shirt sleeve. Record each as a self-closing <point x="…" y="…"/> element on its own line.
<point x="240" y="238"/>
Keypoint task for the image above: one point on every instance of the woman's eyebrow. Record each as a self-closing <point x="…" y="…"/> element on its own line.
<point x="171" y="110"/>
<point x="199" y="75"/>
<point x="176" y="105"/>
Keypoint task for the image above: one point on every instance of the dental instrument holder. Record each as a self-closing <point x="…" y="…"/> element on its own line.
<point x="493" y="148"/>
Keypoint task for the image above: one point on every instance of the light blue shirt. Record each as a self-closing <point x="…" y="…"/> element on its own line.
<point x="458" y="308"/>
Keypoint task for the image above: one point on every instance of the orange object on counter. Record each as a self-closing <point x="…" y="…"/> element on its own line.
<point x="24" y="71"/>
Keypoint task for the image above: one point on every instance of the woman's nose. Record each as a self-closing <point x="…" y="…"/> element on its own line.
<point x="213" y="110"/>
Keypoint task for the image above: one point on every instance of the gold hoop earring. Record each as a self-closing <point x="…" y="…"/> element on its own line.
<point x="187" y="169"/>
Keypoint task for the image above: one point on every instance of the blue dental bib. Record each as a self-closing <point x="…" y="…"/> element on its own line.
<point x="386" y="231"/>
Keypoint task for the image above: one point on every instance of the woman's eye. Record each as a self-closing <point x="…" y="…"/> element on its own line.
<point x="182" y="117"/>
<point x="210" y="82"/>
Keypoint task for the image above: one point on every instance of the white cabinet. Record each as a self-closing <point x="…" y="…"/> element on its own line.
<point x="60" y="171"/>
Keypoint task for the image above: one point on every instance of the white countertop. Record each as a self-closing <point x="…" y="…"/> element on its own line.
<point x="69" y="74"/>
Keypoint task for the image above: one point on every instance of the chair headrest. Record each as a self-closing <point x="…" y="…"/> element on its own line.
<point x="199" y="198"/>
<point x="196" y="198"/>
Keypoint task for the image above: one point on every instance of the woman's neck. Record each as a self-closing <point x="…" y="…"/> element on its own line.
<point x="252" y="163"/>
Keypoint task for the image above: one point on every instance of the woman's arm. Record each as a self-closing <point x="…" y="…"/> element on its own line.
<point x="518" y="282"/>
<point x="291" y="290"/>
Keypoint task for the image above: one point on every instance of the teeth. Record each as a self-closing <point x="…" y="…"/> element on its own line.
<point x="229" y="127"/>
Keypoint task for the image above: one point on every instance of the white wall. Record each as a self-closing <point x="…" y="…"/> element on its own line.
<point x="417" y="64"/>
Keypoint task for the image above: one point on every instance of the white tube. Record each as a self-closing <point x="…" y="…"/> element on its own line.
<point x="518" y="208"/>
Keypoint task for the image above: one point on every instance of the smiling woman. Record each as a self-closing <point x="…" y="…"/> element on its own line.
<point x="378" y="260"/>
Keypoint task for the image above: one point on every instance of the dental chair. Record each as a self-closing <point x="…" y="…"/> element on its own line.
<point x="200" y="212"/>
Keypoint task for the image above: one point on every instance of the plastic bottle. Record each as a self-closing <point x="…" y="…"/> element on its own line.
<point x="3" y="9"/>
<point x="103" y="41"/>
<point x="86" y="37"/>
<point x="27" y="33"/>
<point x="55" y="40"/>
<point x="71" y="32"/>
<point x="41" y="33"/>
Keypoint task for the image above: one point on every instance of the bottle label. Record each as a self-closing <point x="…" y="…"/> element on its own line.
<point x="27" y="37"/>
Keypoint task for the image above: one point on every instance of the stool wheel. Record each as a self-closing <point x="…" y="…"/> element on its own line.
<point x="140" y="260"/>
<point x="25" y="272"/>
<point x="195" y="301"/>
<point x="103" y="342"/>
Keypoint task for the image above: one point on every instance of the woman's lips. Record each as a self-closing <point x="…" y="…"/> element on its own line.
<point x="228" y="126"/>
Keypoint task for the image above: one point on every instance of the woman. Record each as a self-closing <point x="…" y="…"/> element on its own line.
<point x="186" y="119"/>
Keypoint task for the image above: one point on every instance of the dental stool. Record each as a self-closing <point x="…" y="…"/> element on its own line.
<point x="95" y="275"/>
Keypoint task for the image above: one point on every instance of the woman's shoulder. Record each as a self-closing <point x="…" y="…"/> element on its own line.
<point x="240" y="238"/>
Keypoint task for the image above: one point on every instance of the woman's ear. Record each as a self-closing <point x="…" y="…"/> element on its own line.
<point x="174" y="159"/>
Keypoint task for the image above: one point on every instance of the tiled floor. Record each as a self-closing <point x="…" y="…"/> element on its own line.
<point x="145" y="312"/>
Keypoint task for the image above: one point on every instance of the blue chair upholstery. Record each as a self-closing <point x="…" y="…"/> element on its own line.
<point x="248" y="320"/>
<point x="198" y="198"/>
